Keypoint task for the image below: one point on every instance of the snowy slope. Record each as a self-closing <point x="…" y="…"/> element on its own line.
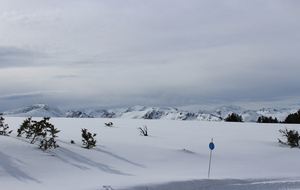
<point x="174" y="157"/>
<point x="142" y="112"/>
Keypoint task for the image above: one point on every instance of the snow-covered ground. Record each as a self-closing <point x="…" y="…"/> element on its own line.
<point x="174" y="157"/>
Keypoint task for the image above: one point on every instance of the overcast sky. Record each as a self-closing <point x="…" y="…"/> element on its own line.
<point x="194" y="54"/>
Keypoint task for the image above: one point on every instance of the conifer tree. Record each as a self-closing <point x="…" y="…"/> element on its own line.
<point x="293" y="118"/>
<point x="4" y="127"/>
<point x="263" y="119"/>
<point x="234" y="118"/>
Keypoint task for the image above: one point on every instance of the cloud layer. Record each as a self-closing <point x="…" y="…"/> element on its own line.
<point x="195" y="54"/>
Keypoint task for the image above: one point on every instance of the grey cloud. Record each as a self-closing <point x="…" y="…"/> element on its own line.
<point x="17" y="57"/>
<point x="28" y="95"/>
<point x="65" y="76"/>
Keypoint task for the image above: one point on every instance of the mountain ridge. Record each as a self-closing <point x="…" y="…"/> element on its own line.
<point x="143" y="112"/>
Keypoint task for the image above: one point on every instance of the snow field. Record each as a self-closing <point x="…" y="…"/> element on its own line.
<point x="174" y="156"/>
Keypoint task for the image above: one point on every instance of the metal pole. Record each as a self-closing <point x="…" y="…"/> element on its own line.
<point x="211" y="146"/>
<point x="209" y="163"/>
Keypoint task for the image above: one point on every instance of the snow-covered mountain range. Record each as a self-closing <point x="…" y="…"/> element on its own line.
<point x="142" y="112"/>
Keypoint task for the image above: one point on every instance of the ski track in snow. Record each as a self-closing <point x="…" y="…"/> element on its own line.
<point x="221" y="184"/>
<point x="227" y="184"/>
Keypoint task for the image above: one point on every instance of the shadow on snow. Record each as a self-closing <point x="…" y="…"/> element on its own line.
<point x="79" y="159"/>
<point x="7" y="163"/>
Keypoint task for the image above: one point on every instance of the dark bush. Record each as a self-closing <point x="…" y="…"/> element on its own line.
<point x="292" y="137"/>
<point x="109" y="124"/>
<point x="143" y="131"/>
<point x="25" y="127"/>
<point x="43" y="130"/>
<point x="38" y="129"/>
<point x="49" y="142"/>
<point x="88" y="139"/>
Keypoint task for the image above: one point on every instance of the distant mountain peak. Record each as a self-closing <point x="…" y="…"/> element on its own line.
<point x="136" y="108"/>
<point x="142" y="112"/>
<point x="230" y="107"/>
<point x="36" y="110"/>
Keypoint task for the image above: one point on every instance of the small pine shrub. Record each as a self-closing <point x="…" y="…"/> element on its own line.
<point x="234" y="118"/>
<point x="49" y="142"/>
<point x="143" y="131"/>
<point x="88" y="139"/>
<point x="39" y="129"/>
<point x="109" y="124"/>
<point x="26" y="127"/>
<point x="43" y="130"/>
<point x="46" y="144"/>
<point x="4" y="127"/>
<point x="292" y="137"/>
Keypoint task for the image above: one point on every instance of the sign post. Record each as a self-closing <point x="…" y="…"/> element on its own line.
<point x="211" y="147"/>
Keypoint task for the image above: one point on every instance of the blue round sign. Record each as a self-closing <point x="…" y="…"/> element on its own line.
<point x="211" y="146"/>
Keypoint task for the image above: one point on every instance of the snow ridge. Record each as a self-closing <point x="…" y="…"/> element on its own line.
<point x="142" y="112"/>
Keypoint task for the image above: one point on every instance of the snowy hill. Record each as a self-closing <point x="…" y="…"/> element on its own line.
<point x="174" y="156"/>
<point x="142" y="112"/>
